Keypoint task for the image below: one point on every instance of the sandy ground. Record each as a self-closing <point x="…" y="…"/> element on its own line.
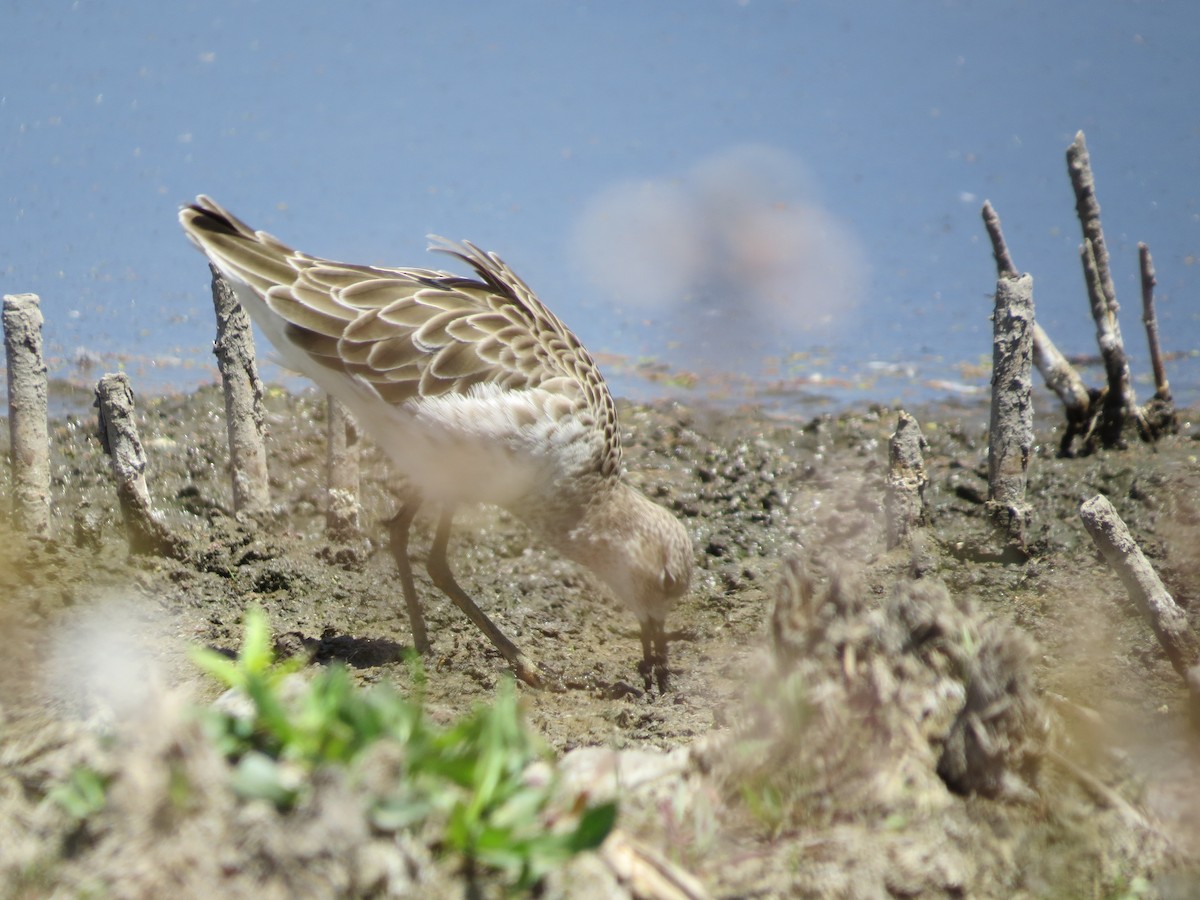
<point x="811" y="772"/>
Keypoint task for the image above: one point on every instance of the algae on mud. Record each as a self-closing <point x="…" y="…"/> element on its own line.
<point x="84" y="622"/>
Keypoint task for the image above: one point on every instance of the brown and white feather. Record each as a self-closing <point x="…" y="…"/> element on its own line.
<point x="410" y="336"/>
<point x="475" y="389"/>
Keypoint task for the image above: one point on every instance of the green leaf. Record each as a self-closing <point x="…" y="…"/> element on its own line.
<point x="594" y="826"/>
<point x="257" y="654"/>
<point x="260" y="777"/>
<point x="83" y="794"/>
<point x="217" y="665"/>
<point x="524" y="805"/>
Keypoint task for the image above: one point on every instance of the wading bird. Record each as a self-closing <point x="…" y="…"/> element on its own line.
<point x="477" y="393"/>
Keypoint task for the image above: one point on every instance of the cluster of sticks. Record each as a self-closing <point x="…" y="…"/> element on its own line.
<point x="1102" y="415"/>
<point x="1099" y="417"/>
<point x="146" y="529"/>
<point x="908" y="514"/>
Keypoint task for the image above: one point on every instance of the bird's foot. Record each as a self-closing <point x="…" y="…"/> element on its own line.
<point x="653" y="667"/>
<point x="654" y="671"/>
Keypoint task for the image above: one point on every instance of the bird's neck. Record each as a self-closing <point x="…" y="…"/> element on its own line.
<point x="578" y="525"/>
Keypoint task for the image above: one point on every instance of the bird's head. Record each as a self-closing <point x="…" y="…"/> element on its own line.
<point x="644" y="555"/>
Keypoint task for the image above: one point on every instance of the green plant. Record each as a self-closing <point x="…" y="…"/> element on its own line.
<point x="469" y="777"/>
<point x="82" y="795"/>
<point x="498" y="816"/>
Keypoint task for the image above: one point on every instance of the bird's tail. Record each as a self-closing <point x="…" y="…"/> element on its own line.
<point x="255" y="258"/>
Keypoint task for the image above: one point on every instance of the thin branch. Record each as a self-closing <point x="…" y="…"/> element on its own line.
<point x="1087" y="207"/>
<point x="1004" y="261"/>
<point x="1162" y="388"/>
<point x="1120" y="404"/>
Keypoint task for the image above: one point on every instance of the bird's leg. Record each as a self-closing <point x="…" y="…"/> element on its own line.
<point x="398" y="528"/>
<point x="439" y="571"/>
<point x="654" y="655"/>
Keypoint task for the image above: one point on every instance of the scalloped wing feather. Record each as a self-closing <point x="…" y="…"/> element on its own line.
<point x="413" y="334"/>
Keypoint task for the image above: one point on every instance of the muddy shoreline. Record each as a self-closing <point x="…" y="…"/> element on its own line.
<point x="85" y="621"/>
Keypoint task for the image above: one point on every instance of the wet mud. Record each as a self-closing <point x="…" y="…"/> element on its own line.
<point x="1103" y="802"/>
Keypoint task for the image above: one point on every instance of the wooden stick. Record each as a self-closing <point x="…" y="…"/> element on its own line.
<point x="1010" y="432"/>
<point x="1060" y="376"/>
<point x="1087" y="207"/>
<point x="244" y="415"/>
<point x="1101" y="793"/>
<point x="1120" y="404"/>
<point x="1142" y="583"/>
<point x="341" y="469"/>
<point x="119" y="437"/>
<point x="1004" y="261"/>
<point x="1158" y="415"/>
<point x="906" y="480"/>
<point x="642" y="871"/>
<point x="1162" y="389"/>
<point x="28" y="424"/>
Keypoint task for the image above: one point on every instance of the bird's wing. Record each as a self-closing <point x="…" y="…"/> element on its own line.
<point x="413" y="334"/>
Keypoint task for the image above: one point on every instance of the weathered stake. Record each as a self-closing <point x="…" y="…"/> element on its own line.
<point x="905" y="498"/>
<point x="1142" y="583"/>
<point x="28" y="426"/>
<point x="1010" y="431"/>
<point x="1060" y="376"/>
<point x="1150" y="320"/>
<point x="119" y="437"/>
<point x="1087" y="208"/>
<point x="1004" y="260"/>
<point x="244" y="415"/>
<point x="1159" y="413"/>
<point x="1120" y="404"/>
<point x="342" y="516"/>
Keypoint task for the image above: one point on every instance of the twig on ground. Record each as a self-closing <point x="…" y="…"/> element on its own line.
<point x="1010" y="430"/>
<point x="1101" y="792"/>
<point x="244" y="416"/>
<point x="646" y="872"/>
<point x="28" y="426"/>
<point x="342" y="516"/>
<point x="119" y="438"/>
<point x="1142" y="583"/>
<point x="906" y="480"/>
